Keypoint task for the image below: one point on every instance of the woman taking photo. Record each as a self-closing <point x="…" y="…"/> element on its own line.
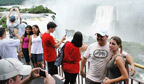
<point x="25" y="42"/>
<point x="35" y="47"/>
<point x="116" y="71"/>
<point x="71" y="58"/>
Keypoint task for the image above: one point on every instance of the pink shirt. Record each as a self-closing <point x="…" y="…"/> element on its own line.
<point x="26" y="42"/>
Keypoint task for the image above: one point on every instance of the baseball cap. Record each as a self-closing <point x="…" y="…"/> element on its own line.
<point x="10" y="67"/>
<point x="12" y="18"/>
<point x="102" y="32"/>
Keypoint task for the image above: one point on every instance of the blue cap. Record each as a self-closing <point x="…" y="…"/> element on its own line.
<point x="12" y="18"/>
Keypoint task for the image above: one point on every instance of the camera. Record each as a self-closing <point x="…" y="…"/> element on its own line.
<point x="13" y="9"/>
<point x="42" y="73"/>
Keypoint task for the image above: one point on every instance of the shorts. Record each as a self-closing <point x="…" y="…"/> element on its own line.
<point x="88" y="81"/>
<point x="52" y="69"/>
<point x="37" y="58"/>
<point x="26" y="54"/>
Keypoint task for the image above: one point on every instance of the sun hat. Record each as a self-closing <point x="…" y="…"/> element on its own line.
<point x="10" y="67"/>
<point x="12" y="18"/>
<point x="102" y="32"/>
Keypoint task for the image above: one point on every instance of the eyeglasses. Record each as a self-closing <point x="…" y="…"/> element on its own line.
<point x="21" y="76"/>
<point x="98" y="35"/>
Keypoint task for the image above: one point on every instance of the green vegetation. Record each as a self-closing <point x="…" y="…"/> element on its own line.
<point x="3" y="9"/>
<point x="37" y="9"/>
<point x="34" y="9"/>
<point x="3" y="22"/>
<point x="10" y="2"/>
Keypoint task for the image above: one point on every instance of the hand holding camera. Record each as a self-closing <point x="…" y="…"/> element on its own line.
<point x="42" y="73"/>
<point x="13" y="9"/>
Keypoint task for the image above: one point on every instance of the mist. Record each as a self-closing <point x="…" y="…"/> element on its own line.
<point x="80" y="15"/>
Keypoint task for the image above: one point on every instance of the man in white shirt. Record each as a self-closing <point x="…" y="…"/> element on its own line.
<point x="99" y="54"/>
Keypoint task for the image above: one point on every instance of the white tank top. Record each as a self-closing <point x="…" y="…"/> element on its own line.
<point x="36" y="47"/>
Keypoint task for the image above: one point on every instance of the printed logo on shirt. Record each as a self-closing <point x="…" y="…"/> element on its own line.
<point x="99" y="53"/>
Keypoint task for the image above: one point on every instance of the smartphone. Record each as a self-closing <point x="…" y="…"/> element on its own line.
<point x="42" y="73"/>
<point x="66" y="34"/>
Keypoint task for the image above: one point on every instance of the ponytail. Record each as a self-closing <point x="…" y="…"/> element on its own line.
<point x="121" y="48"/>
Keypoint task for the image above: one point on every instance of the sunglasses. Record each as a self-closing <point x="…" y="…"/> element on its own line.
<point x="98" y="35"/>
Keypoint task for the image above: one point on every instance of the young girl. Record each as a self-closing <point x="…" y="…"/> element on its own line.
<point x="35" y="47"/>
<point x="25" y="42"/>
<point x="116" y="71"/>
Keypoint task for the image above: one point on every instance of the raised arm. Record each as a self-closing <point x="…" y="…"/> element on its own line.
<point x="59" y="43"/>
<point x="17" y="10"/>
<point x="8" y="16"/>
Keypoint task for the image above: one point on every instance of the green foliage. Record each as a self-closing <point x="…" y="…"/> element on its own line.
<point x="34" y="9"/>
<point x="4" y="9"/>
<point x="3" y="22"/>
<point x="40" y="9"/>
<point x="10" y="2"/>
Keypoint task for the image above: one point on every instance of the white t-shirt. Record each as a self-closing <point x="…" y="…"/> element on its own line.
<point x="8" y="48"/>
<point x="36" y="47"/>
<point x="98" y="57"/>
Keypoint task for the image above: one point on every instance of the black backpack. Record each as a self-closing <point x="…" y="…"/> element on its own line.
<point x="60" y="56"/>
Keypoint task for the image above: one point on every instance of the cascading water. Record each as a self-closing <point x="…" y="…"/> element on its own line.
<point x="104" y="19"/>
<point x="123" y="18"/>
<point x="80" y="15"/>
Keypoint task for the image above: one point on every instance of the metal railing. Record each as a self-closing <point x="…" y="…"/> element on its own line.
<point x="81" y="80"/>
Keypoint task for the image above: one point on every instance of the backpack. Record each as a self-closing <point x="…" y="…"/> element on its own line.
<point x="60" y="56"/>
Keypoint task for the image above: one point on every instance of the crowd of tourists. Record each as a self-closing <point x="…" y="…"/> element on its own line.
<point x="107" y="64"/>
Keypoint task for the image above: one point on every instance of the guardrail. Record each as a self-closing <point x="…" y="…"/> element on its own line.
<point x="81" y="80"/>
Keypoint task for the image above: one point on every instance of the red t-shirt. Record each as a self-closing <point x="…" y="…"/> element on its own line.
<point x="71" y="58"/>
<point x="49" y="51"/>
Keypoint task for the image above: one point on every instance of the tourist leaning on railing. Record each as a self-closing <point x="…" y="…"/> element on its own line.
<point x="99" y="54"/>
<point x="116" y="70"/>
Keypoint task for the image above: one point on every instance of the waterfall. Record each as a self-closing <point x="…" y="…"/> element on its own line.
<point x="82" y="15"/>
<point x="104" y="19"/>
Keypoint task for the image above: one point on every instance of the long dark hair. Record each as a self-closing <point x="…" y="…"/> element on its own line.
<point x="2" y="31"/>
<point x="118" y="41"/>
<point x="77" y="39"/>
<point x="36" y="26"/>
<point x="25" y="34"/>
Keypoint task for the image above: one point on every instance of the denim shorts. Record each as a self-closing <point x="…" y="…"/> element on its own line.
<point x="37" y="58"/>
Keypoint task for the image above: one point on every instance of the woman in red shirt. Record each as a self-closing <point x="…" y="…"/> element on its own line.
<point x="71" y="58"/>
